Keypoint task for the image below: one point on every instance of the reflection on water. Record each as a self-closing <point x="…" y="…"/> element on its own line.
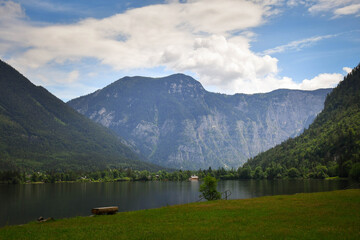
<point x="24" y="203"/>
<point x="258" y="188"/>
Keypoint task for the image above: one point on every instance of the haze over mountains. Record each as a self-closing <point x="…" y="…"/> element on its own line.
<point x="40" y="132"/>
<point x="174" y="122"/>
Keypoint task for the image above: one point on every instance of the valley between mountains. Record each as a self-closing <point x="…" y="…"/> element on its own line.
<point x="173" y="122"/>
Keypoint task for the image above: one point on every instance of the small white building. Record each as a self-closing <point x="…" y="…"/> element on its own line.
<point x="194" y="178"/>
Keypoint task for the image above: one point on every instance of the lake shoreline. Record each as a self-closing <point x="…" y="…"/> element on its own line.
<point x="187" y="180"/>
<point x="22" y="203"/>
<point x="270" y="217"/>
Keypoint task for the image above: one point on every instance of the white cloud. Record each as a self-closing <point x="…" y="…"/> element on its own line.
<point x="144" y="33"/>
<point x="324" y="80"/>
<point x="297" y="45"/>
<point x="92" y="74"/>
<point x="226" y="64"/>
<point x="53" y="77"/>
<point x="326" y="5"/>
<point x="10" y="11"/>
<point x="336" y="7"/>
<point x="150" y="36"/>
<point x="70" y="93"/>
<point x="67" y="85"/>
<point x="194" y="36"/>
<point x="294" y="3"/>
<point x="348" y="10"/>
<point x="347" y="69"/>
<point x="230" y="67"/>
<point x="73" y="76"/>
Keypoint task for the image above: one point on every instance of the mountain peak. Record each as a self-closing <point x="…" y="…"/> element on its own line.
<point x="178" y="77"/>
<point x="179" y="85"/>
<point x="175" y="122"/>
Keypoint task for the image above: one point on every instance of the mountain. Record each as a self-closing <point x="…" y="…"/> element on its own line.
<point x="175" y="122"/>
<point x="331" y="144"/>
<point x="40" y="132"/>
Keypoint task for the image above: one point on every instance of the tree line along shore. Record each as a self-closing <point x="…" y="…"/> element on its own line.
<point x="275" y="171"/>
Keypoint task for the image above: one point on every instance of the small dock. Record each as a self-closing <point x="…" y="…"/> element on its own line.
<point x="104" y="210"/>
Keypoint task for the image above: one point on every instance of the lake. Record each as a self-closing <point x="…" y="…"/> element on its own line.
<point x="23" y="203"/>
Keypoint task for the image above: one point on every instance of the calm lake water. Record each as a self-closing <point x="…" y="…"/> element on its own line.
<point x="23" y="203"/>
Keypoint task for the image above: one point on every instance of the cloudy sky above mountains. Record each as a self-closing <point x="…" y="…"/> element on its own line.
<point x="231" y="46"/>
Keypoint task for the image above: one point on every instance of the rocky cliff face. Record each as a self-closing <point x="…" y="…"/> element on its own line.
<point x="175" y="122"/>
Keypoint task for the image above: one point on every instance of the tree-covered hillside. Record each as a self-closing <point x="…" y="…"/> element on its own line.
<point x="330" y="146"/>
<point x="40" y="132"/>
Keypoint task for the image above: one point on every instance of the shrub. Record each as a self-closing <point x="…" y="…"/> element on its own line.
<point x="208" y="189"/>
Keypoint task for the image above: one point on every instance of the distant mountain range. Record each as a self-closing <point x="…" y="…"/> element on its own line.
<point x="40" y="132"/>
<point x="331" y="144"/>
<point x="174" y="122"/>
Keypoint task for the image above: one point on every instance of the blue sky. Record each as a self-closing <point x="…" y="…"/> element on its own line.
<point x="231" y="46"/>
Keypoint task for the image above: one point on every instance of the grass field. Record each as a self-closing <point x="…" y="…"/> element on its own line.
<point x="327" y="215"/>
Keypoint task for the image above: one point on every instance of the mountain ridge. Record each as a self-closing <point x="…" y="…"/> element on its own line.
<point x="175" y="122"/>
<point x="40" y="132"/>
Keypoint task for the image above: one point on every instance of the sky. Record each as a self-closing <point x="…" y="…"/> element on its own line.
<point x="74" y="47"/>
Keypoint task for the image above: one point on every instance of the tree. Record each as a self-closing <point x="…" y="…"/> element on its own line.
<point x="355" y="172"/>
<point x="244" y="172"/>
<point x="208" y="189"/>
<point x="34" y="177"/>
<point x="258" y="174"/>
<point x="293" y="173"/>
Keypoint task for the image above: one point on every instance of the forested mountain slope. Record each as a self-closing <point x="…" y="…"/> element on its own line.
<point x="40" y="132"/>
<point x="331" y="144"/>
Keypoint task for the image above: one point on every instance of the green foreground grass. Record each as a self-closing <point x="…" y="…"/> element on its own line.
<point x="327" y="215"/>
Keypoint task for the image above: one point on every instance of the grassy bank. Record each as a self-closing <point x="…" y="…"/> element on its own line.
<point x="328" y="215"/>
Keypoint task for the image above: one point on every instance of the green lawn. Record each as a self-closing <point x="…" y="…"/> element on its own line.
<point x="327" y="215"/>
